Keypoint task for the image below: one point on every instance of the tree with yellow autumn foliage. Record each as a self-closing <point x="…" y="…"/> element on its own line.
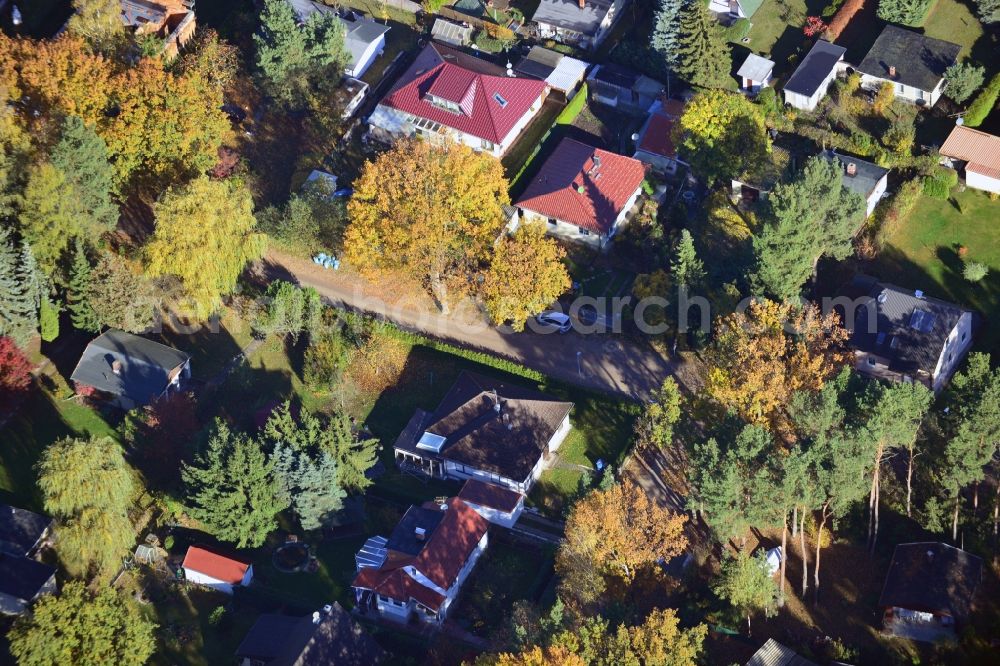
<point x="205" y="236"/>
<point x="762" y="356"/>
<point x="614" y="533"/>
<point x="432" y="212"/>
<point x="525" y="276"/>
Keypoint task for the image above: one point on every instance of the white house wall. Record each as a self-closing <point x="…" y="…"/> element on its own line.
<point x="981" y="182"/>
<point x="904" y="92"/>
<point x="876" y="194"/>
<point x="804" y="103"/>
<point x="955" y="347"/>
<point x="523" y="122"/>
<point x="570" y="231"/>
<point x="497" y="517"/>
<point x="367" y="58"/>
<point x="559" y="435"/>
<point x="214" y="583"/>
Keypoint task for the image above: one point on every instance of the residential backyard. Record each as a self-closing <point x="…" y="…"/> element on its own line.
<point x="928" y="249"/>
<point x="776" y="30"/>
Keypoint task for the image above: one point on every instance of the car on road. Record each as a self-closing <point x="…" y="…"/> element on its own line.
<point x="553" y="321"/>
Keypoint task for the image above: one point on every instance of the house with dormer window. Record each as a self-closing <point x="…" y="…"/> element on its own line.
<point x="448" y="95"/>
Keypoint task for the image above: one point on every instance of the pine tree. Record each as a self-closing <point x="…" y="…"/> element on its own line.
<point x="77" y="301"/>
<point x="19" y="291"/>
<point x="666" y="31"/>
<point x="703" y="57"/>
<point x="686" y="268"/>
<point x="232" y="488"/>
<point x="83" y="158"/>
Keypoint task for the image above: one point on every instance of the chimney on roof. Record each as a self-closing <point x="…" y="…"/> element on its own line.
<point x="116" y="367"/>
<point x="852" y="169"/>
<point x="506" y="422"/>
<point x="420" y="533"/>
<point x="892" y="71"/>
<point x="583" y="3"/>
<point x="496" y="400"/>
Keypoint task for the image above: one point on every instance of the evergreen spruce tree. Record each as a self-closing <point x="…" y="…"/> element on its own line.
<point x="82" y="316"/>
<point x="232" y="488"/>
<point x="686" y="268"/>
<point x="310" y="484"/>
<point x="666" y="31"/>
<point x="19" y="291"/>
<point x="82" y="156"/>
<point x="703" y="57"/>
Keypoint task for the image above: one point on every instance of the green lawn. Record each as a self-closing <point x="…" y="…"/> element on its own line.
<point x="954" y="22"/>
<point x="776" y="30"/>
<point x="924" y="254"/>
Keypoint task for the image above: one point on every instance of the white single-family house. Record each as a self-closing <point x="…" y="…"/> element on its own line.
<point x="209" y="567"/>
<point x="485" y="429"/>
<point x="867" y="179"/>
<point x="655" y="145"/>
<point x="420" y="570"/>
<point x="904" y="335"/>
<point x="582" y="193"/>
<point x="913" y="63"/>
<point x="449" y="95"/>
<point x="811" y="79"/>
<point x="582" y="23"/>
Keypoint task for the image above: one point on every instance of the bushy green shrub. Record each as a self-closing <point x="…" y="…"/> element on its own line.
<point x="890" y="213"/>
<point x="935" y="188"/>
<point x="974" y="271"/>
<point x="983" y="104"/>
<point x="947" y="176"/>
<point x="905" y="12"/>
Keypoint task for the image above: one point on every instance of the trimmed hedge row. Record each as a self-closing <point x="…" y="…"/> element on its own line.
<point x="983" y="104"/>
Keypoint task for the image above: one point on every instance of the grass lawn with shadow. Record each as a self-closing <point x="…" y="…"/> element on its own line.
<point x="924" y="253"/>
<point x="953" y="21"/>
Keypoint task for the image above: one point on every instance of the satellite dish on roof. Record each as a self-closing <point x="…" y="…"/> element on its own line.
<point x="960" y="121"/>
<point x="635" y="137"/>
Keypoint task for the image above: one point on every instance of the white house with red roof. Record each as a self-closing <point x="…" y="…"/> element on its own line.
<point x="450" y="95"/>
<point x="501" y="506"/>
<point x="583" y="193"/>
<point x="978" y="153"/>
<point x="215" y="569"/>
<point x="655" y="145"/>
<point x="421" y="568"/>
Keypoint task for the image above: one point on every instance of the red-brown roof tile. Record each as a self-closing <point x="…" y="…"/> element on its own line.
<point x="396" y="584"/>
<point x="463" y="81"/>
<point x="571" y="187"/>
<point x="451" y="543"/>
<point x="979" y="149"/>
<point x="227" y="568"/>
<point x="657" y="139"/>
<point x="490" y="496"/>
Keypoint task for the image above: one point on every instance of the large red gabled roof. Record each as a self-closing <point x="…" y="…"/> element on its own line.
<point x="227" y="568"/>
<point x="571" y="186"/>
<point x="470" y="82"/>
<point x="395" y="583"/>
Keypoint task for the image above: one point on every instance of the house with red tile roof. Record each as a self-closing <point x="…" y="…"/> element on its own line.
<point x="448" y="95"/>
<point x="582" y="193"/>
<point x="655" y="145"/>
<point x="424" y="563"/>
<point x="978" y="153"/>
<point x="215" y="569"/>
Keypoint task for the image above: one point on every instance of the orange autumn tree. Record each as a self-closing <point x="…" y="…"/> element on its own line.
<point x="430" y="212"/>
<point x="614" y="533"/>
<point x="762" y="356"/>
<point x="156" y="124"/>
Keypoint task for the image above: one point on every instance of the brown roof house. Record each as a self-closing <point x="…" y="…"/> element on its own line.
<point x="929" y="590"/>
<point x="655" y="144"/>
<point x="498" y="505"/>
<point x="485" y="429"/>
<point x="418" y="571"/>
<point x="172" y="21"/>
<point x="978" y="153"/>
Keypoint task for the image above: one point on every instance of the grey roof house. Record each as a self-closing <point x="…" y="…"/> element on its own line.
<point x="329" y="636"/>
<point x="129" y="371"/>
<point x="930" y="587"/>
<point x="755" y="73"/>
<point x="623" y="88"/>
<point x="867" y="179"/>
<point x="22" y="578"/>
<point x="582" y="23"/>
<point x="902" y="334"/>
<point x="363" y="37"/>
<point x="563" y="73"/>
<point x="811" y="79"/>
<point x="773" y="653"/>
<point x="913" y="63"/>
<point x="485" y="429"/>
